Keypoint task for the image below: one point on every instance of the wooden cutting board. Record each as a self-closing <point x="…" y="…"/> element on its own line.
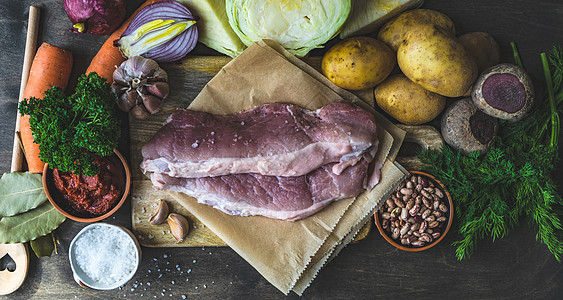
<point x="186" y="81"/>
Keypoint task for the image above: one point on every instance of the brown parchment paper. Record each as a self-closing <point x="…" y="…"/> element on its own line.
<point x="281" y="250"/>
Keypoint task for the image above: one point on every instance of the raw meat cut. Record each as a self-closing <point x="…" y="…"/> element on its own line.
<point x="287" y="198"/>
<point x="274" y="139"/>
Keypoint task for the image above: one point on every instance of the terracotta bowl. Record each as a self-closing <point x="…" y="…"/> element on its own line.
<point x="449" y="214"/>
<point x="60" y="204"/>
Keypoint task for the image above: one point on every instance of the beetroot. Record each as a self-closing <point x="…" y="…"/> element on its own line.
<point x="504" y="91"/>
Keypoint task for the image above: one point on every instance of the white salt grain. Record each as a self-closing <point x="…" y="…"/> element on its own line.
<point x="105" y="254"/>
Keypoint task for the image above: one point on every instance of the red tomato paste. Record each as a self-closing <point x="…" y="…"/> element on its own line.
<point x="93" y="194"/>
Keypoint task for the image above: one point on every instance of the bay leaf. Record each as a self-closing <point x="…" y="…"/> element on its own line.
<point x="20" y="192"/>
<point x="43" y="245"/>
<point x="30" y="225"/>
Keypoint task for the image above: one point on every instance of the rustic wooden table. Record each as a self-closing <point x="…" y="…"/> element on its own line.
<point x="516" y="266"/>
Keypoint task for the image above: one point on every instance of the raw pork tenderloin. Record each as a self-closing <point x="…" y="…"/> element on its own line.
<point x="276" y="160"/>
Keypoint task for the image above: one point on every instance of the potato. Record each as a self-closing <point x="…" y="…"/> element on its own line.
<point x="482" y="47"/>
<point x="393" y="32"/>
<point x="407" y="101"/>
<point x="358" y="63"/>
<point x="432" y="58"/>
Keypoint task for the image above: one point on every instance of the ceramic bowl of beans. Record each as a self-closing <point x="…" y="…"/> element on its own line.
<point x="417" y="215"/>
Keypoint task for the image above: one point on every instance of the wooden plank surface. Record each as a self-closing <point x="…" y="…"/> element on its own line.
<point x="514" y="267"/>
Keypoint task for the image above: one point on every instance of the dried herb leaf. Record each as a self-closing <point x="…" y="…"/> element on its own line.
<point x="20" y="192"/>
<point x="43" y="246"/>
<point x="30" y="225"/>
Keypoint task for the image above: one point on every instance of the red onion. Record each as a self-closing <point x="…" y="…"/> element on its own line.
<point x="171" y="50"/>
<point x="97" y="17"/>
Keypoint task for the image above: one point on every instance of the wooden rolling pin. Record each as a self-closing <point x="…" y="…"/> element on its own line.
<point x="11" y="281"/>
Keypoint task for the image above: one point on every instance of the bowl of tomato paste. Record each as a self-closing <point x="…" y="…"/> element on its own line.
<point x="89" y="198"/>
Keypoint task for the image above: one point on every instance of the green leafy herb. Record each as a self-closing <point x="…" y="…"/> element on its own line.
<point x="69" y="130"/>
<point x="20" y="192"/>
<point x="513" y="179"/>
<point x="30" y="225"/>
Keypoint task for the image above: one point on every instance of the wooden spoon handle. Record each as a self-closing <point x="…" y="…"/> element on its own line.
<point x="11" y="281"/>
<point x="30" y="47"/>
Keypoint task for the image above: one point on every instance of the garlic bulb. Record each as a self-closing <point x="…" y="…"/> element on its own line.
<point x="141" y="86"/>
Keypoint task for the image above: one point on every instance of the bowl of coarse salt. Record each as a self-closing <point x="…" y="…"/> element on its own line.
<point x="104" y="256"/>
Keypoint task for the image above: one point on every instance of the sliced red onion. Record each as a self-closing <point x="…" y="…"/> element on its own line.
<point x="175" y="48"/>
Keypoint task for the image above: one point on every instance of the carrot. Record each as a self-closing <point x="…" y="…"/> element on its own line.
<point x="109" y="57"/>
<point x="51" y="66"/>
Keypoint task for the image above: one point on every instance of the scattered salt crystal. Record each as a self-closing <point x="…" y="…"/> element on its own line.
<point x="151" y="236"/>
<point x="149" y="271"/>
<point x="194" y="261"/>
<point x="159" y="275"/>
<point x="196" y="287"/>
<point x="212" y="132"/>
<point x="187" y="279"/>
<point x="195" y="144"/>
<point x="184" y="297"/>
<point x="155" y="259"/>
<point x="172" y="282"/>
<point x="230" y="282"/>
<point x="204" y="286"/>
<point x="105" y="254"/>
<point x="165" y="255"/>
<point x="143" y="210"/>
<point x="210" y="253"/>
<point x="242" y="123"/>
<point x="148" y="283"/>
<point x="189" y="271"/>
<point x="163" y="232"/>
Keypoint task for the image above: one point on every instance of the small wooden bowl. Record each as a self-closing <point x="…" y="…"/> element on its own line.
<point x="59" y="204"/>
<point x="449" y="202"/>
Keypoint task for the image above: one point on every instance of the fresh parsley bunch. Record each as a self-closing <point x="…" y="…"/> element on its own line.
<point x="70" y="130"/>
<point x="514" y="179"/>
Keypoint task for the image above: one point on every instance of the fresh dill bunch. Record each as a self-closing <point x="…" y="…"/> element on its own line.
<point x="70" y="130"/>
<point x="492" y="192"/>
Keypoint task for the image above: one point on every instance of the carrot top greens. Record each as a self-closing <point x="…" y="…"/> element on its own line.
<point x="70" y="130"/>
<point x="514" y="179"/>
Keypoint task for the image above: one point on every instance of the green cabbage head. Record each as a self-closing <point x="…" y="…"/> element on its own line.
<point x="298" y="25"/>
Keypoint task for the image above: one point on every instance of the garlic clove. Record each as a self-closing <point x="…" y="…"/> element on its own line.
<point x="160" y="75"/>
<point x="160" y="214"/>
<point x="139" y="66"/>
<point x="159" y="89"/>
<point x="120" y="76"/>
<point x="140" y="112"/>
<point x="124" y="103"/>
<point x="152" y="103"/>
<point x="179" y="226"/>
